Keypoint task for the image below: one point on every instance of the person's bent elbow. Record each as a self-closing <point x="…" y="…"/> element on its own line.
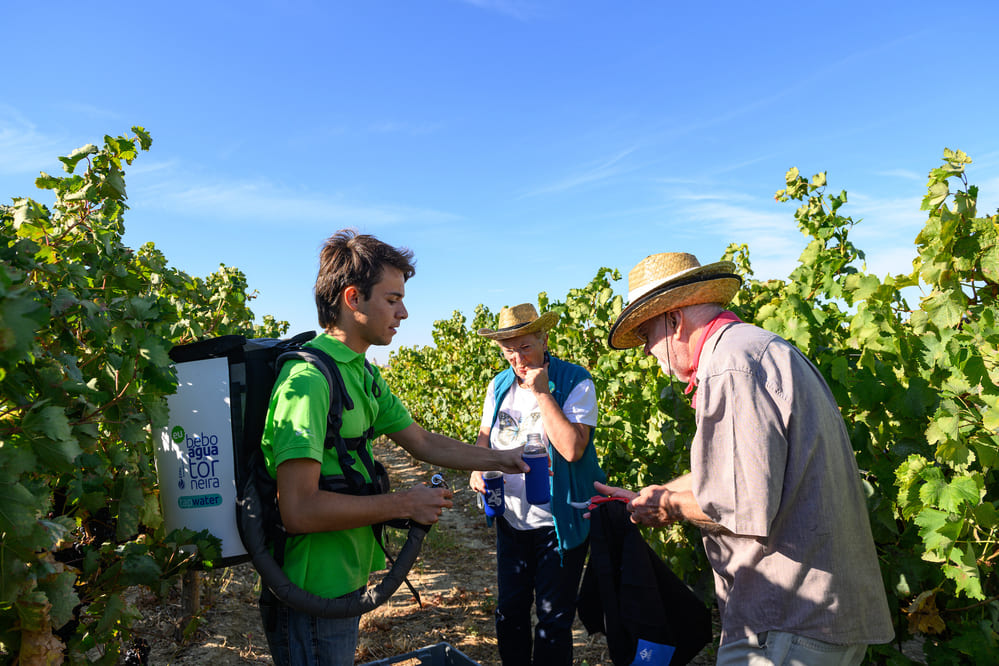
<point x="297" y="489"/>
<point x="292" y="519"/>
<point x="575" y="454"/>
<point x="580" y="441"/>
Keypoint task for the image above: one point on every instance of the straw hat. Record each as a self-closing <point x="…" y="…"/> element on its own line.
<point x="668" y="281"/>
<point x="520" y="320"/>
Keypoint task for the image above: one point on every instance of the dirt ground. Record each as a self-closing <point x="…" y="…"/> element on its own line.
<point x="455" y="577"/>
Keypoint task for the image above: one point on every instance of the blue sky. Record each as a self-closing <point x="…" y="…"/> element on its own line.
<point x="514" y="146"/>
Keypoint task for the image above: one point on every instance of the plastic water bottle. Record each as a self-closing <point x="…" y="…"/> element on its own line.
<point x="536" y="481"/>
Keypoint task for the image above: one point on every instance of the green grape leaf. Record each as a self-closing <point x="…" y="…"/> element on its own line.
<point x="130" y="506"/>
<point x="20" y="317"/>
<point x="959" y="492"/>
<point x="52" y="437"/>
<point x="18" y="507"/>
<point x="60" y="591"/>
<point x="963" y="570"/>
<point x="936" y="194"/>
<point x="938" y="530"/>
<point x="946" y="309"/>
<point x="987" y="515"/>
<point x="69" y="162"/>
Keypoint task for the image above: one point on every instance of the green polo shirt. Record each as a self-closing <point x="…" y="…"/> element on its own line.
<point x="328" y="564"/>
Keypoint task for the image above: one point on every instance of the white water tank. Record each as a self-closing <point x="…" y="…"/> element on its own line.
<point x="195" y="459"/>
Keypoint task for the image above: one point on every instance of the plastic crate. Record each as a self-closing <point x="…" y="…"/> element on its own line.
<point x="441" y="654"/>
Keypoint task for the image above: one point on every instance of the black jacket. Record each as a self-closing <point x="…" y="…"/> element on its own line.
<point x="629" y="593"/>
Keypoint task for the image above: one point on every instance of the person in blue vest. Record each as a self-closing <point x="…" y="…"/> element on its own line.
<point x="540" y="548"/>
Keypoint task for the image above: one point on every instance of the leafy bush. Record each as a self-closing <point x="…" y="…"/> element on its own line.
<point x="85" y="327"/>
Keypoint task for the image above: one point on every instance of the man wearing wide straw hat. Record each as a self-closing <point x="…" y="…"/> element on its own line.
<point x="774" y="483"/>
<point x="540" y="548"/>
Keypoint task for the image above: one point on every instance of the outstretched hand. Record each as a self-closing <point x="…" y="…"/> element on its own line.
<point x="512" y="461"/>
<point x="650" y="507"/>
<point x="426" y="504"/>
<point x="613" y="491"/>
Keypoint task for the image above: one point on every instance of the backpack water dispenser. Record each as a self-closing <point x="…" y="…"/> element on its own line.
<point x="195" y="459"/>
<point x="211" y="470"/>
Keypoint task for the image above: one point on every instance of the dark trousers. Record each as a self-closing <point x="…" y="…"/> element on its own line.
<point x="529" y="568"/>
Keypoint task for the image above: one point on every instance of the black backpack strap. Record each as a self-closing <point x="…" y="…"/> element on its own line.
<point x="361" y="449"/>
<point x="279" y="587"/>
<point x="340" y="400"/>
<point x="379" y="529"/>
<point x="376" y="390"/>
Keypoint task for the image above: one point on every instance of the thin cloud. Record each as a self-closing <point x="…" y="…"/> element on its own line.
<point x="885" y="217"/>
<point x="905" y="174"/>
<point x="885" y="233"/>
<point x="709" y="195"/>
<point x="143" y="167"/>
<point x="23" y="149"/>
<point x="729" y="217"/>
<point x="774" y="240"/>
<point x="594" y="173"/>
<point x="739" y="165"/>
<point x="264" y="203"/>
<point x="817" y="75"/>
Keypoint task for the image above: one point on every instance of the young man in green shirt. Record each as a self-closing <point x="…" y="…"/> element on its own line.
<point x="359" y="297"/>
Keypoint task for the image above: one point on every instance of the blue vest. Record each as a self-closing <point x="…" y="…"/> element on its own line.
<point x="571" y="481"/>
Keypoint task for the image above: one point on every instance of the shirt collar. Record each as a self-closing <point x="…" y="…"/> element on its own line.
<point x="340" y="352"/>
<point x="724" y="317"/>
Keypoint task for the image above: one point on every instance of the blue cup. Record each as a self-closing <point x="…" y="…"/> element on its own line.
<point x="652" y="654"/>
<point x="536" y="480"/>
<point x="493" y="498"/>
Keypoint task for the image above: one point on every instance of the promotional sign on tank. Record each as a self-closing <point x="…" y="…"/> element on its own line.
<point x="195" y="457"/>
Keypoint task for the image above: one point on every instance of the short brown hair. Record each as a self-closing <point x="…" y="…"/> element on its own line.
<point x="352" y="259"/>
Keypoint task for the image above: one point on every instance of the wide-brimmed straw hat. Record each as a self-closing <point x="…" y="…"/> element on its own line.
<point x="519" y="320"/>
<point x="668" y="281"/>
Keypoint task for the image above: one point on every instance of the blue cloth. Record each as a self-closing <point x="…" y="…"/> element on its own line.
<point x="571" y="481"/>
<point x="652" y="654"/>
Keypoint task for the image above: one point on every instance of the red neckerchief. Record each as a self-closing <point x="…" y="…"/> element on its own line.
<point x="725" y="317"/>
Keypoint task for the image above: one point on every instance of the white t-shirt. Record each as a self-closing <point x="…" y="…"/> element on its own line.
<point x="518" y="417"/>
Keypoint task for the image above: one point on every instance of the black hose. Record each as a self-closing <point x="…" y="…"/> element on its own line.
<point x="271" y="574"/>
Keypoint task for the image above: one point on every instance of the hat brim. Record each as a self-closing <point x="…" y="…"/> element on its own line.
<point x="714" y="283"/>
<point x="543" y="323"/>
